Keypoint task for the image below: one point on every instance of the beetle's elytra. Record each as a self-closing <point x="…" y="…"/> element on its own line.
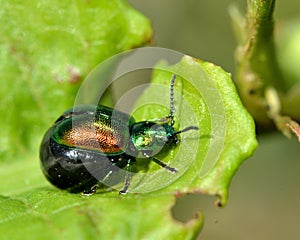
<point x="74" y="151"/>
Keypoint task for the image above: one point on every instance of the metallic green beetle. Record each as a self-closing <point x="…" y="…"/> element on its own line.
<point x="88" y="144"/>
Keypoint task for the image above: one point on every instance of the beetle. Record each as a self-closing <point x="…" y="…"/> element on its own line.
<point x="87" y="144"/>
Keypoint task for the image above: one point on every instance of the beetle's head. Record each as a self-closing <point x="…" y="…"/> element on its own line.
<point x="150" y="137"/>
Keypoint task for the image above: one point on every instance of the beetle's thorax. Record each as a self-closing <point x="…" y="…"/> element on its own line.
<point x="150" y="137"/>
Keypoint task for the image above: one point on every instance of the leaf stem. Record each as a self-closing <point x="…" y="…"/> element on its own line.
<point x="259" y="79"/>
<point x="257" y="67"/>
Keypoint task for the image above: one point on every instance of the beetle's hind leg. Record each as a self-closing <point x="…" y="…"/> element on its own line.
<point x="128" y="177"/>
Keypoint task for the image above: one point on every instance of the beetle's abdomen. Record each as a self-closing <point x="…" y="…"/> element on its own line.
<point x="94" y="136"/>
<point x="83" y="147"/>
<point x="99" y="132"/>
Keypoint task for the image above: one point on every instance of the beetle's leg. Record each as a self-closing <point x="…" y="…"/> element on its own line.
<point x="91" y="191"/>
<point x="161" y="163"/>
<point x="107" y="176"/>
<point x="127" y="177"/>
<point x="164" y="165"/>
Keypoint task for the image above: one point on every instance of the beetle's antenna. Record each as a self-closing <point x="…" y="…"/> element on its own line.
<point x="172" y="106"/>
<point x="187" y="129"/>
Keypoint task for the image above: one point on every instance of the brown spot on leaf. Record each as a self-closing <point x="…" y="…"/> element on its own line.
<point x="74" y="74"/>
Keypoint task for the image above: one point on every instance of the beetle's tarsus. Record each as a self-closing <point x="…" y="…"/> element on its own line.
<point x="91" y="191"/>
<point x="171" y="169"/>
<point x="126" y="186"/>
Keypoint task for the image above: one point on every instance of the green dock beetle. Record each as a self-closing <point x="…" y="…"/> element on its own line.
<point x="88" y="143"/>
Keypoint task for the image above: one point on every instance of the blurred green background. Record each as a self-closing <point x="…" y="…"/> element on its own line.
<point x="264" y="195"/>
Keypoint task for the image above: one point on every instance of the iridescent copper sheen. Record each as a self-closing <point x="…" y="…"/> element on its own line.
<point x="94" y="136"/>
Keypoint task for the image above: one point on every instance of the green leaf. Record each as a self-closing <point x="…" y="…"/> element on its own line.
<point x="207" y="98"/>
<point x="61" y="215"/>
<point x="46" y="49"/>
